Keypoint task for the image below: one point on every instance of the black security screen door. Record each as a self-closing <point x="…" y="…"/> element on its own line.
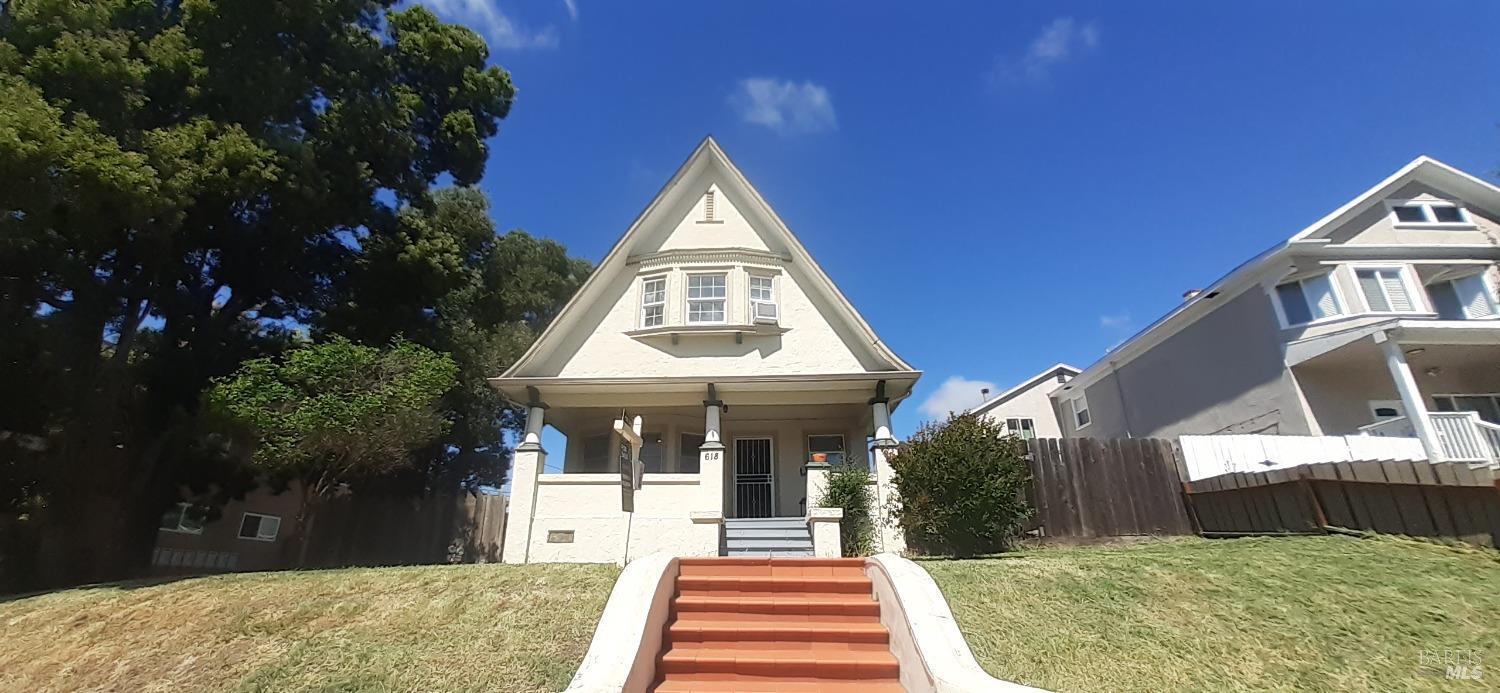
<point x="752" y="477"/>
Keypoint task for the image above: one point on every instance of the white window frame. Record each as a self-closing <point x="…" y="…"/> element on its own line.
<point x="1073" y="410"/>
<point x="688" y="298"/>
<point x="645" y="281"/>
<point x="1415" y="294"/>
<point x="258" y="536"/>
<point x="1341" y="306"/>
<point x="1484" y="288"/>
<point x="750" y="290"/>
<point x="1429" y="219"/>
<point x="182" y="508"/>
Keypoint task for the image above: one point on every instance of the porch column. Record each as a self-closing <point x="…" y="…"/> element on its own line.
<point x="888" y="536"/>
<point x="711" y="455"/>
<point x="1411" y="397"/>
<point x="526" y="464"/>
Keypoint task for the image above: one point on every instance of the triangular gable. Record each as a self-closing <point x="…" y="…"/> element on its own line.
<point x="1033" y="381"/>
<point x="667" y="221"/>
<point x="1423" y="169"/>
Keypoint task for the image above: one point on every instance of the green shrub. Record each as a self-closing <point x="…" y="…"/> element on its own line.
<point x="961" y="487"/>
<point x="849" y="488"/>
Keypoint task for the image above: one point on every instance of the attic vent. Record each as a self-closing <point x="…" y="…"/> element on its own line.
<point x="708" y="206"/>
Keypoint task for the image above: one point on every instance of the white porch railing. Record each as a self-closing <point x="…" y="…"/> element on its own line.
<point x="1463" y="436"/>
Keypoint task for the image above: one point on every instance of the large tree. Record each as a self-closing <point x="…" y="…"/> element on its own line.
<point x="181" y="181"/>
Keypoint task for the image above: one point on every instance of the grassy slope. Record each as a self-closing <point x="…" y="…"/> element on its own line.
<point x="1320" y="613"/>
<point x="433" y="628"/>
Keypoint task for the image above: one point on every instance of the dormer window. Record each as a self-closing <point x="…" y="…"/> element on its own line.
<point x="1440" y="213"/>
<point x="706" y="298"/>
<point x="653" y="301"/>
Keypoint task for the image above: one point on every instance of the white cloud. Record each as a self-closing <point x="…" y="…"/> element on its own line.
<point x="1059" y="42"/>
<point x="572" y="6"/>
<point x="1114" y="322"/>
<point x="486" y="17"/>
<point x="956" y="394"/>
<point x="784" y="106"/>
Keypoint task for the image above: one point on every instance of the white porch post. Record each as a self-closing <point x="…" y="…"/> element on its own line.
<point x="526" y="465"/>
<point x="711" y="456"/>
<point x="1411" y="397"/>
<point x="888" y="536"/>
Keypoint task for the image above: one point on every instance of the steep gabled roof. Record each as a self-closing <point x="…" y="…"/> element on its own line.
<point x="1031" y="382"/>
<point x="709" y="154"/>
<point x="1421" y="169"/>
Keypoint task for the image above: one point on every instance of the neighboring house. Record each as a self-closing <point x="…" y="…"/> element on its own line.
<point x="710" y="321"/>
<point x="260" y="532"/>
<point x="1378" y="318"/>
<point x="1026" y="410"/>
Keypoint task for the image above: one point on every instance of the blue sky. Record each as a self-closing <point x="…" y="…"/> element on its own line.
<point x="997" y="187"/>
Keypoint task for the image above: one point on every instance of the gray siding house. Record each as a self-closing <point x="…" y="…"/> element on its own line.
<point x="1380" y="319"/>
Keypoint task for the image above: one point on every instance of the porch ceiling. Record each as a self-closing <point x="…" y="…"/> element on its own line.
<point x="1365" y="354"/>
<point x="1410" y="334"/>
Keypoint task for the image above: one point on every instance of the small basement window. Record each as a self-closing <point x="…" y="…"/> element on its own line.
<point x="259" y="527"/>
<point x="183" y="518"/>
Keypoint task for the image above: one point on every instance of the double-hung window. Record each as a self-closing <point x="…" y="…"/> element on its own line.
<point x="1429" y="213"/>
<point x="706" y="296"/>
<point x="653" y="301"/>
<point x="1025" y="428"/>
<point x="1385" y="289"/>
<point x="1307" y="299"/>
<point x="1464" y="298"/>
<point x="1078" y="407"/>
<point x="763" y="299"/>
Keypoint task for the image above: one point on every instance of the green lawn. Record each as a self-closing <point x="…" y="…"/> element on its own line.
<point x="431" y="628"/>
<point x="1313" y="613"/>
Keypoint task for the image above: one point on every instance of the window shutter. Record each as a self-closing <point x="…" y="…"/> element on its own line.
<point x="1320" y="295"/>
<point x="1475" y="299"/>
<point x="1369" y="285"/>
<point x="1395" y="290"/>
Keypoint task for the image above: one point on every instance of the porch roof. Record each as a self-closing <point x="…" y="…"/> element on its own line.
<point x="828" y="388"/>
<point x="1403" y="331"/>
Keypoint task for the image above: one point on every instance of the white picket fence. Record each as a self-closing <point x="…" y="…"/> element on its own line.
<point x="1207" y="456"/>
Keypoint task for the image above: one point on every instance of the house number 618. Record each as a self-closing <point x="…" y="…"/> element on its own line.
<point x="712" y="456"/>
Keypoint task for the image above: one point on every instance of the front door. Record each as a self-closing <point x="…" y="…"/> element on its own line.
<point x="752" y="477"/>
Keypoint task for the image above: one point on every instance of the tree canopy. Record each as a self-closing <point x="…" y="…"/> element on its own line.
<point x="185" y="185"/>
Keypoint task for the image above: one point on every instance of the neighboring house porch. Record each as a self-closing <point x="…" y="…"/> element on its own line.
<point x="1437" y="380"/>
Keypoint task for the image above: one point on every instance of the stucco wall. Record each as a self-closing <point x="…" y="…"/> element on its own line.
<point x="1222" y="374"/>
<point x="1375" y="226"/>
<point x="1032" y="403"/>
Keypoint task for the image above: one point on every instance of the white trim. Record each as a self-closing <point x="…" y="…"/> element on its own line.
<point x="687" y="297"/>
<point x="665" y="284"/>
<point x="1430" y="221"/>
<point x="1029" y="383"/>
<point x="239" y="531"/>
<point x="1073" y="411"/>
<point x="750" y="277"/>
<point x="1341" y="306"/>
<point x="1415" y="296"/>
<point x="734" y="471"/>
<point x="708" y="153"/>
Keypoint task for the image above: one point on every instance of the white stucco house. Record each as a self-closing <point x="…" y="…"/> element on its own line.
<point x="1025" y="410"/>
<point x="747" y="368"/>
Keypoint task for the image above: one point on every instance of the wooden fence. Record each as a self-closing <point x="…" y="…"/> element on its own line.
<point x="1394" y="497"/>
<point x="1084" y="487"/>
<point x="443" y="528"/>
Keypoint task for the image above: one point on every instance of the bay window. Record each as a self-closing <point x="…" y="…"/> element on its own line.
<point x="653" y="301"/>
<point x="1464" y="298"/>
<point x="1385" y="290"/>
